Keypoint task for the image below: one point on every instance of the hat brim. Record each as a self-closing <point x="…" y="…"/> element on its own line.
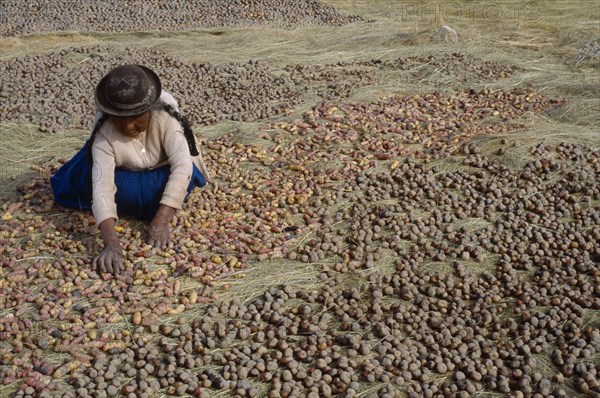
<point x="105" y="106"/>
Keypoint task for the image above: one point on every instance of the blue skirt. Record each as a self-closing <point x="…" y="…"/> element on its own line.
<point x="138" y="192"/>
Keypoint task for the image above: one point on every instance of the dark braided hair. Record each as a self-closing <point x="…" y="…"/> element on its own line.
<point x="187" y="129"/>
<point x="185" y="124"/>
<point x="99" y="124"/>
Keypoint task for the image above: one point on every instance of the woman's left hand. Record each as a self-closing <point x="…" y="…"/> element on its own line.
<point x="159" y="233"/>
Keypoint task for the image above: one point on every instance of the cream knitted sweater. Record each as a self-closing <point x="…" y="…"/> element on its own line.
<point x="162" y="143"/>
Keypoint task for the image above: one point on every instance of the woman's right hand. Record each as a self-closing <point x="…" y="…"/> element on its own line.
<point x="110" y="259"/>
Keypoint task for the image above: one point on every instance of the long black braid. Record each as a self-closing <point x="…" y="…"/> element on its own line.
<point x="187" y="129"/>
<point x="185" y="124"/>
<point x="99" y="124"/>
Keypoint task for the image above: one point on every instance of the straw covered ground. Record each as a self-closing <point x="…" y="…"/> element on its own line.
<point x="396" y="211"/>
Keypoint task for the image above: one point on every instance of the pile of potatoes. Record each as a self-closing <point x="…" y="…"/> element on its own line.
<point x="17" y="18"/>
<point x="56" y="90"/>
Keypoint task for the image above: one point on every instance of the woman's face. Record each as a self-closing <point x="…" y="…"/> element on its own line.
<point x="131" y="126"/>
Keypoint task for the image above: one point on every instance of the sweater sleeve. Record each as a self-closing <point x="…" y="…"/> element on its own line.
<point x="178" y="154"/>
<point x="103" y="180"/>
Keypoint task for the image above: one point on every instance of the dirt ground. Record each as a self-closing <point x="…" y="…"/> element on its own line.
<point x="397" y="214"/>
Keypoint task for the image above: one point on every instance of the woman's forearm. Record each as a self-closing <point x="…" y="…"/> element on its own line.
<point x="107" y="229"/>
<point x="165" y="213"/>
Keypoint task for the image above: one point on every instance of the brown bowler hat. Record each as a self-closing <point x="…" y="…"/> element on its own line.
<point x="128" y="90"/>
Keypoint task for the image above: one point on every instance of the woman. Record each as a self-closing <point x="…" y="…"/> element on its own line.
<point x="141" y="160"/>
